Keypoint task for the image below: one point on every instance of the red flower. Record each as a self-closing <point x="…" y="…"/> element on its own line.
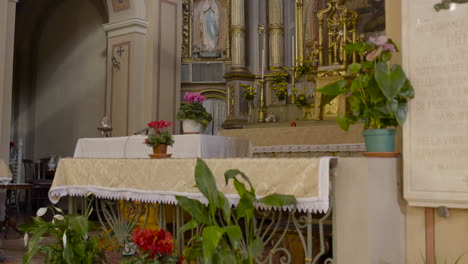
<point x="144" y="238"/>
<point x="164" y="243"/>
<point x="158" y="243"/>
<point x="159" y="124"/>
<point x="181" y="260"/>
<point x="152" y="124"/>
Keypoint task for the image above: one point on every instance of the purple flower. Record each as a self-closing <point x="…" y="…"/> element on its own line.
<point x="379" y="41"/>
<point x="194" y="97"/>
<point x="389" y="47"/>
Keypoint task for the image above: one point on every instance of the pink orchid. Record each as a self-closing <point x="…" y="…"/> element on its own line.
<point x="379" y="41"/>
<point x="374" y="54"/>
<point x="389" y="47"/>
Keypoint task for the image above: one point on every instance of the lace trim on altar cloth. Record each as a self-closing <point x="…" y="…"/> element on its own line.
<point x="318" y="204"/>
<point x="314" y="205"/>
<point x="359" y="147"/>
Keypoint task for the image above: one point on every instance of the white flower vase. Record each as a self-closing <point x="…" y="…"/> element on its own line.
<point x="191" y="127"/>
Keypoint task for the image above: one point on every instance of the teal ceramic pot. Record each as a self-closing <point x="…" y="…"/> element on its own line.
<point x="380" y="140"/>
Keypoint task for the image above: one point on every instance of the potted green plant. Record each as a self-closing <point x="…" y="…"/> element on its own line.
<point x="377" y="93"/>
<point x="249" y="95"/>
<point x="193" y="115"/>
<point x="279" y="83"/>
<point x="228" y="235"/>
<point x="69" y="241"/>
<point x="159" y="138"/>
<point x="300" y="97"/>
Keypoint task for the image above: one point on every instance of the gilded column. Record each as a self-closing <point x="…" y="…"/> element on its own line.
<point x="238" y="35"/>
<point x="299" y="29"/>
<point x="276" y="33"/>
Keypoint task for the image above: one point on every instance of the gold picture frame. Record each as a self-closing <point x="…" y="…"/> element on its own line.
<point x="188" y="33"/>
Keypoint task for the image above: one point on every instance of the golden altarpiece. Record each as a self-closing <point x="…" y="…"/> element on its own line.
<point x="244" y="50"/>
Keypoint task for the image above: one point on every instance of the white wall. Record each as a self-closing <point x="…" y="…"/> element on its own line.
<point x="70" y="81"/>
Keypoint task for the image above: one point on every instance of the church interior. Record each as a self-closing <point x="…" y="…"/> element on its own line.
<point x="234" y="131"/>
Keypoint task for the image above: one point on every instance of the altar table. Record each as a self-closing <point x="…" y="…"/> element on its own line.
<point x="159" y="181"/>
<point x="185" y="146"/>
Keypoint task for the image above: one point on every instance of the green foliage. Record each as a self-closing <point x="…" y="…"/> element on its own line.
<point x="144" y="258"/>
<point x="457" y="261"/>
<point x="229" y="235"/>
<point x="281" y="76"/>
<point x="163" y="137"/>
<point x="196" y="112"/>
<point x="279" y="84"/>
<point x="376" y="93"/>
<point x="249" y="92"/>
<point x="71" y="243"/>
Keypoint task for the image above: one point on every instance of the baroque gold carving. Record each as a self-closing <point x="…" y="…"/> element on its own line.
<point x="231" y="101"/>
<point x="340" y="23"/>
<point x="187" y="10"/>
<point x="237" y="28"/>
<point x="188" y="27"/>
<point x="120" y="5"/>
<point x="272" y="27"/>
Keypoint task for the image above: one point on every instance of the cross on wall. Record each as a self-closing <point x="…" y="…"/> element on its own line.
<point x="120" y="51"/>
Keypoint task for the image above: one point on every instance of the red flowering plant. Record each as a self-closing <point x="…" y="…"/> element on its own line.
<point x="154" y="246"/>
<point x="159" y="135"/>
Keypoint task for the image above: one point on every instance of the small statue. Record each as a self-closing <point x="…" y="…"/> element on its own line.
<point x="105" y="127"/>
<point x="52" y="164"/>
<point x="105" y="122"/>
<point x="446" y="4"/>
<point x="271" y="118"/>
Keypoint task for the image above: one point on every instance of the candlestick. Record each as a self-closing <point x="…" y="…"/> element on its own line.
<point x="262" y="112"/>
<point x="263" y="64"/>
<point x="293" y="55"/>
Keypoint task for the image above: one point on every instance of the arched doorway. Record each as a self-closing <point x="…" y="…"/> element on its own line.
<point x="59" y="74"/>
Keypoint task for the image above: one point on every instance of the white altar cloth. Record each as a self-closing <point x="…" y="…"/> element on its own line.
<point x="159" y="181"/>
<point x="185" y="146"/>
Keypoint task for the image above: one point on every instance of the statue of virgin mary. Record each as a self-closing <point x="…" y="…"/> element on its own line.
<point x="209" y="20"/>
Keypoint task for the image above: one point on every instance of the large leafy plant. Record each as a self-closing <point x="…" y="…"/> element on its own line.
<point x="193" y="109"/>
<point x="376" y="91"/>
<point x="71" y="241"/>
<point x="229" y="235"/>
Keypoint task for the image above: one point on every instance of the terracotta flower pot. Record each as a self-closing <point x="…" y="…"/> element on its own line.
<point x="160" y="149"/>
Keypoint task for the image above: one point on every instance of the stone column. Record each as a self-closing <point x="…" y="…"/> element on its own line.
<point x="125" y="97"/>
<point x="299" y="29"/>
<point x="7" y="36"/>
<point x="238" y="36"/>
<point x="276" y="33"/>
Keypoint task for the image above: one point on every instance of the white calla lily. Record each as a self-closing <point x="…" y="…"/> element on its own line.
<point x="58" y="209"/>
<point x="59" y="217"/>
<point x="42" y="211"/>
<point x="64" y="239"/>
<point x="26" y="239"/>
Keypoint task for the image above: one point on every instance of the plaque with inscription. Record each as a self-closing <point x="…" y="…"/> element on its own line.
<point x="435" y="53"/>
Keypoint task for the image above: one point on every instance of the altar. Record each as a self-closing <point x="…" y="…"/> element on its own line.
<point x="306" y="139"/>
<point x="185" y="146"/>
<point x="146" y="182"/>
